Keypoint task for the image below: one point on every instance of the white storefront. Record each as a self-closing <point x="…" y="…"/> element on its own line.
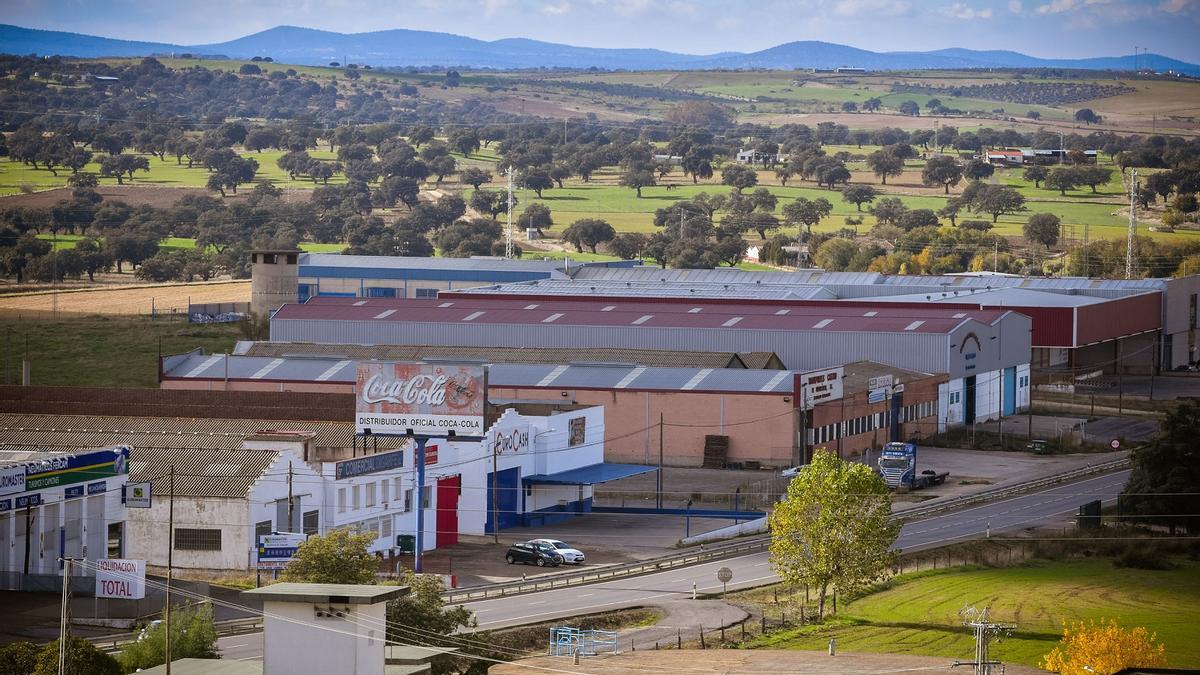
<point x="55" y="505"/>
<point x="379" y="493"/>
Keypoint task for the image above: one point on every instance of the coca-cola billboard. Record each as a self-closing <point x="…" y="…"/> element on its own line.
<point x="428" y="399"/>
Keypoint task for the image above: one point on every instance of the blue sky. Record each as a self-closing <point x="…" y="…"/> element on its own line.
<point x="1047" y="28"/>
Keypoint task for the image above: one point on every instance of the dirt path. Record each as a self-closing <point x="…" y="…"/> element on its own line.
<point x="164" y="298"/>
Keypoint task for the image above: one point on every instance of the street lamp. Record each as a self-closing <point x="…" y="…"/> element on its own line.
<point x="687" y="521"/>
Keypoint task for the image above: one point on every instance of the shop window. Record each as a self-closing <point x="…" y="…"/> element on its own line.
<point x="116" y="540"/>
<point x="312" y="522"/>
<point x="262" y="529"/>
<point x="188" y="539"/>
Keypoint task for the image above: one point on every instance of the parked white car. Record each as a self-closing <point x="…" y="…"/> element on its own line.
<point x="570" y="556"/>
<point x="791" y="473"/>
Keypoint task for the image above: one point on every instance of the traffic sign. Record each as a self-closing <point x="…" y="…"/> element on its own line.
<point x="1115" y="444"/>
<point x="724" y="575"/>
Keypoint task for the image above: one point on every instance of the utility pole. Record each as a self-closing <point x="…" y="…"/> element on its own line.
<point x="495" y="493"/>
<point x="985" y="631"/>
<point x="64" y="617"/>
<point x="508" y="237"/>
<point x="1133" y="183"/>
<point x="170" y="561"/>
<point x="291" y="518"/>
<point x="660" y="459"/>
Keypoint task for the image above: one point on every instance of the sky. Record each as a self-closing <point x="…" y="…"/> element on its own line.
<point x="1045" y="28"/>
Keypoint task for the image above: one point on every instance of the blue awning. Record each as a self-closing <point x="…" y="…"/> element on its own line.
<point x="589" y="475"/>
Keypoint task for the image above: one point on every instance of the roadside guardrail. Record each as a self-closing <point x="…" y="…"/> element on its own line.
<point x="113" y="643"/>
<point x="751" y="544"/>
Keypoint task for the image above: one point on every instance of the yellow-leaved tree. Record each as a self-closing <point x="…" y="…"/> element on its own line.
<point x="1103" y="647"/>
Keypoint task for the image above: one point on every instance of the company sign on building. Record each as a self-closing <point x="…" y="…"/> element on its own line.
<point x="820" y="386"/>
<point x="424" y="399"/>
<point x="511" y="440"/>
<point x="124" y="579"/>
<point x="12" y="480"/>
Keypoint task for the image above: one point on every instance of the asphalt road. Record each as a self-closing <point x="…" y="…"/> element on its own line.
<point x="1047" y="507"/>
<point x="245" y="647"/>
<point x="1050" y="506"/>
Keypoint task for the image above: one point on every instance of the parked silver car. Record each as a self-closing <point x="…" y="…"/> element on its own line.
<point x="571" y="556"/>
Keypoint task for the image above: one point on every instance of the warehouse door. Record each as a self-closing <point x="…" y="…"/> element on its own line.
<point x="509" y="493"/>
<point x="1010" y="390"/>
<point x="969" y="400"/>
<point x="448" y="490"/>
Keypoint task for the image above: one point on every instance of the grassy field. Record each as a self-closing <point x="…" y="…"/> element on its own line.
<point x="101" y="351"/>
<point x="70" y="240"/>
<point x="919" y="614"/>
<point x="627" y="213"/>
<point x="835" y="96"/>
<point x="16" y="177"/>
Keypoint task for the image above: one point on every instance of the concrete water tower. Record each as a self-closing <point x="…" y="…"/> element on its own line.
<point x="274" y="279"/>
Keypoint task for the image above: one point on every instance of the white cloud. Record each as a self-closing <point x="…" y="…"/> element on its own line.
<point x="1060" y="6"/>
<point x="965" y="12"/>
<point x="1015" y="6"/>
<point x="871" y="7"/>
<point x="491" y="7"/>
<point x="557" y="9"/>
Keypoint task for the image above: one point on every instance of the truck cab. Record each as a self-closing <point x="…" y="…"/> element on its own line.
<point x="898" y="464"/>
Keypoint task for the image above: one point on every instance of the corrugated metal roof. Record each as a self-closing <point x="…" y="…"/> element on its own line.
<point x="665" y="315"/>
<point x="998" y="297"/>
<point x="646" y="357"/>
<point x="647" y="289"/>
<point x="369" y="262"/>
<point x="556" y="376"/>
<point x="207" y="472"/>
<point x="97" y="431"/>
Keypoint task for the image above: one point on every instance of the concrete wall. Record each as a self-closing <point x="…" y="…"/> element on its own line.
<point x="295" y="641"/>
<point x="148" y="532"/>
<point x="760" y="426"/>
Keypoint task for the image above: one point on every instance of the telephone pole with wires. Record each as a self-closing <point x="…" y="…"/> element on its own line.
<point x="508" y="236"/>
<point x="985" y="632"/>
<point x="1133" y="188"/>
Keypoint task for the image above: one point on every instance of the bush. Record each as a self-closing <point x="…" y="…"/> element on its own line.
<point x="1140" y="558"/>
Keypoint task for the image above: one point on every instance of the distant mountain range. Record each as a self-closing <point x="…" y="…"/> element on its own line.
<point x="401" y="47"/>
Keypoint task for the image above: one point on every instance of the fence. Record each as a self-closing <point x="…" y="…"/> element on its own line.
<point x="568" y="641"/>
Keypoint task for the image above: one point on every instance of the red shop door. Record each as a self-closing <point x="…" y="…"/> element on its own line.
<point x="447" y="510"/>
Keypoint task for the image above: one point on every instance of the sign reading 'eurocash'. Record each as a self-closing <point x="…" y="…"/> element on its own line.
<point x="424" y="399"/>
<point x="78" y="468"/>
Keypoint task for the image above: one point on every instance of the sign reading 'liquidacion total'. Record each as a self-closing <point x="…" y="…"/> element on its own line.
<point x="428" y="399"/>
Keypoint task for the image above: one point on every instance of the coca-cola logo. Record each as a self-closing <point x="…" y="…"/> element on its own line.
<point x="417" y="390"/>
